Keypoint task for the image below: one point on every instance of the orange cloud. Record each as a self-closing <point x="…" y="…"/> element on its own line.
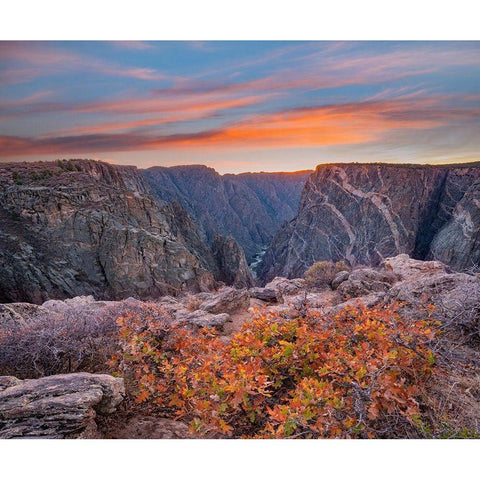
<point x="189" y="111"/>
<point x="333" y="125"/>
<point x="343" y="124"/>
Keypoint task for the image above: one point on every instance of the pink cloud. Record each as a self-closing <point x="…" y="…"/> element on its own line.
<point x="326" y="125"/>
<point x="31" y="59"/>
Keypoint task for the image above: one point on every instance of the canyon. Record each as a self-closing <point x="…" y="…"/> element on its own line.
<point x="83" y="227"/>
<point x="86" y="246"/>
<point x="249" y="207"/>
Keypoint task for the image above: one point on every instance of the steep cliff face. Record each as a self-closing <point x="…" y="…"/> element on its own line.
<point x="248" y="207"/>
<point x="364" y="213"/>
<point x="86" y="227"/>
<point x="458" y="241"/>
<point x="232" y="265"/>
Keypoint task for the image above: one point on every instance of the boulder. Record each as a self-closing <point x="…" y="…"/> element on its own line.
<point x="59" y="406"/>
<point x="363" y="281"/>
<point x="405" y="267"/>
<point x="70" y="303"/>
<point x="432" y="282"/>
<point x="200" y="318"/>
<point x="226" y="300"/>
<point x="286" y="286"/>
<point x="447" y="291"/>
<point x="266" y="294"/>
<point x="339" y="278"/>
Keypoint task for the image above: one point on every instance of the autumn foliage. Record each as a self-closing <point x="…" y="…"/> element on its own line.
<point x="355" y="374"/>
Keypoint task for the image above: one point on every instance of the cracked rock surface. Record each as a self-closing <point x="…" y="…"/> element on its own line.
<point x="59" y="406"/>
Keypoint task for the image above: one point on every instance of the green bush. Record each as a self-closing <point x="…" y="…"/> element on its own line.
<point x="17" y="178"/>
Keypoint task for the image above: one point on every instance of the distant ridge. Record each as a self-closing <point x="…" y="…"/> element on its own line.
<point x="248" y="206"/>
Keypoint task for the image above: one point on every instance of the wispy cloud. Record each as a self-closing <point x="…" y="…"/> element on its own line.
<point x="304" y="95"/>
<point x="189" y="111"/>
<point x="133" y="106"/>
<point x="342" y="124"/>
<point x="333" y="67"/>
<point x="24" y="61"/>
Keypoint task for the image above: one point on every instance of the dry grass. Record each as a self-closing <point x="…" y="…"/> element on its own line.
<point x="57" y="343"/>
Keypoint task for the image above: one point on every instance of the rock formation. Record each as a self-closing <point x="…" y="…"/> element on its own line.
<point x="249" y="207"/>
<point x="89" y="228"/>
<point x="456" y="296"/>
<point x="60" y="406"/>
<point x="231" y="263"/>
<point x="363" y="213"/>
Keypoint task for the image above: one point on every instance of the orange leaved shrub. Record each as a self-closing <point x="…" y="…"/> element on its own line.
<point x="355" y="374"/>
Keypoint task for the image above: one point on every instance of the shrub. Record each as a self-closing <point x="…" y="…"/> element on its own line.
<point x="321" y="274"/>
<point x="58" y="343"/>
<point x="357" y="374"/>
<point x="17" y="178"/>
<point x="66" y="165"/>
<point x="192" y="303"/>
<point x="460" y="314"/>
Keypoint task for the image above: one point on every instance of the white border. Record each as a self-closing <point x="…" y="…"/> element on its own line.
<point x="245" y="20"/>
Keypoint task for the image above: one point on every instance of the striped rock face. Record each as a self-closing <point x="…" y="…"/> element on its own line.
<point x="365" y="213"/>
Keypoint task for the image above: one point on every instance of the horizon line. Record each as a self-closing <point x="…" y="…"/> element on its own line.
<point x="461" y="164"/>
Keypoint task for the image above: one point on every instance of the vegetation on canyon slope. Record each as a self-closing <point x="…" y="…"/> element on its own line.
<point x="360" y="373"/>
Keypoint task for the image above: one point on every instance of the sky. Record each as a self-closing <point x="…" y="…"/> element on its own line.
<point x="240" y="106"/>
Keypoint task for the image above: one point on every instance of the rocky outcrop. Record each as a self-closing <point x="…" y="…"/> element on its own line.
<point x="406" y="268"/>
<point x="90" y="228"/>
<point x="184" y="309"/>
<point x="266" y="294"/>
<point x="286" y="286"/>
<point x="231" y="263"/>
<point x="363" y="213"/>
<point x="226" y="300"/>
<point x="15" y="315"/>
<point x="75" y="405"/>
<point x="339" y="278"/>
<point x="452" y="293"/>
<point x="364" y="281"/>
<point x="416" y="284"/>
<point x="249" y="207"/>
<point x="60" y="406"/>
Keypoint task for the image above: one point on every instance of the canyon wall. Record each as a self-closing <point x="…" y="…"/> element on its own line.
<point x="363" y="213"/>
<point x="85" y="227"/>
<point x="249" y="207"/>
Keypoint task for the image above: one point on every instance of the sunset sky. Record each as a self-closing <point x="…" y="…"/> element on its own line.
<point x="240" y="106"/>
